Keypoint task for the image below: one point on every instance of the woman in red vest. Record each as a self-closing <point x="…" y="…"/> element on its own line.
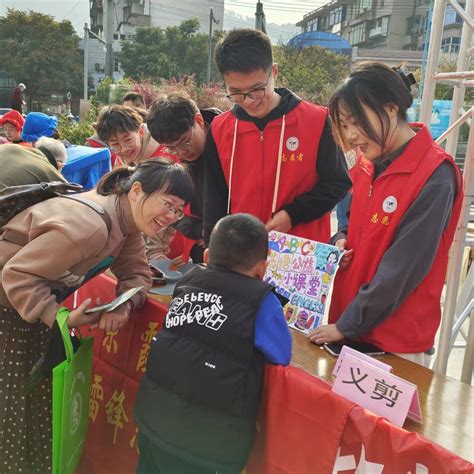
<point x="406" y="201"/>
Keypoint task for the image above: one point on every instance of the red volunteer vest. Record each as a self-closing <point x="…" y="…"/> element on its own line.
<point x="256" y="158"/>
<point x="377" y="208"/>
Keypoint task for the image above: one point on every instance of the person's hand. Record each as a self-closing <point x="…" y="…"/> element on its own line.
<point x="78" y="318"/>
<point x="280" y="222"/>
<point x="346" y="259"/>
<point x="114" y="320"/>
<point x="325" y="333"/>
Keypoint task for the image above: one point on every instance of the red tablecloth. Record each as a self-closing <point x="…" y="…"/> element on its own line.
<point x="303" y="426"/>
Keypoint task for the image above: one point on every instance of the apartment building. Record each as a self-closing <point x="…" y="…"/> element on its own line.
<point x="384" y="24"/>
<point x="129" y="14"/>
<point x="124" y="16"/>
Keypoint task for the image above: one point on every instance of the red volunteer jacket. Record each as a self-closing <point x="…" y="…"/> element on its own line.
<point x="252" y="173"/>
<point x="377" y="208"/>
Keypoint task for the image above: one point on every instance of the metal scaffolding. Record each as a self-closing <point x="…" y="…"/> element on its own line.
<point x="458" y="302"/>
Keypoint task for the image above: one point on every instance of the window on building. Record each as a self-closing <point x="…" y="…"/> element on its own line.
<point x="312" y="25"/>
<point x="378" y="27"/>
<point x="381" y="3"/>
<point x="451" y="17"/>
<point x="335" y="16"/>
<point x="357" y="34"/>
<point x="116" y="65"/>
<point x="7" y="83"/>
<point x="363" y="5"/>
<point x="450" y="44"/>
<point x="349" y="12"/>
<point x="414" y="27"/>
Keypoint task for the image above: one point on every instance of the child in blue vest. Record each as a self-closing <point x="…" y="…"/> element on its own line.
<point x="196" y="408"/>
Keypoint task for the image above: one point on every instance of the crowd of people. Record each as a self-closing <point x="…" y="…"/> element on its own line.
<point x="218" y="182"/>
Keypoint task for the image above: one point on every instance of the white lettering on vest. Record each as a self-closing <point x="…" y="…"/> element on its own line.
<point x="185" y="311"/>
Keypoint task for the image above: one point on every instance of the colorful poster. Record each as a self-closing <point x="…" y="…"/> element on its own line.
<point x="302" y="271"/>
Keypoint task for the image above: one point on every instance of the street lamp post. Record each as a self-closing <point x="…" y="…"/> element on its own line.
<point x="86" y="61"/>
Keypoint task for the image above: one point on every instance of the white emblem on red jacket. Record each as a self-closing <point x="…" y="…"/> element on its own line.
<point x="390" y="204"/>
<point x="292" y="143"/>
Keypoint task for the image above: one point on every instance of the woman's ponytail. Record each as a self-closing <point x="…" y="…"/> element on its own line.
<point x="116" y="181"/>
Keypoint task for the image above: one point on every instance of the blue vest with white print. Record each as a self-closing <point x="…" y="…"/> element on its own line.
<point x="200" y="394"/>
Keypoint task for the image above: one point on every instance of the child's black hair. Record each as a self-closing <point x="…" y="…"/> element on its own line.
<point x="238" y="242"/>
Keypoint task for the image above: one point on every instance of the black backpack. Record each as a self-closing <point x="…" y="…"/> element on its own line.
<point x="14" y="199"/>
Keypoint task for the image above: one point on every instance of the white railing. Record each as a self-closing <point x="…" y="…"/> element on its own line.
<point x="460" y="79"/>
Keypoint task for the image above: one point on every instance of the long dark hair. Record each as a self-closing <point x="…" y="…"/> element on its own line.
<point x="155" y="175"/>
<point x="375" y="86"/>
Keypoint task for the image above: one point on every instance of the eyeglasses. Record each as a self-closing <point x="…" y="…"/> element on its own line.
<point x="128" y="144"/>
<point x="258" y="93"/>
<point x="179" y="214"/>
<point x="182" y="146"/>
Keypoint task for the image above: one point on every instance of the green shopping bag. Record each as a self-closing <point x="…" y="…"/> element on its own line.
<point x="71" y="389"/>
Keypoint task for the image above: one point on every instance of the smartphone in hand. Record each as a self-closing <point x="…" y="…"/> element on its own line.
<point x="115" y="303"/>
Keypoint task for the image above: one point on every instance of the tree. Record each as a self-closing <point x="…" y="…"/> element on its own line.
<point x="175" y="51"/>
<point x="311" y="72"/>
<point x="40" y="52"/>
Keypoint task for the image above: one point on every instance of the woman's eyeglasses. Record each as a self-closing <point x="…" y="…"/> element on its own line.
<point x="179" y="213"/>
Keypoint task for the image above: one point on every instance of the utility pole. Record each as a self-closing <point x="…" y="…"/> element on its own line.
<point x="109" y="38"/>
<point x="86" y="61"/>
<point x="260" y="23"/>
<point x="212" y="19"/>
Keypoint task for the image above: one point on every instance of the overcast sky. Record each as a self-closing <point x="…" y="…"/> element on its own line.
<point x="77" y="11"/>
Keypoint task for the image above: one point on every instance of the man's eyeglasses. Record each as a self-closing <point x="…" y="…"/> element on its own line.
<point x="128" y="144"/>
<point x="184" y="145"/>
<point x="257" y="93"/>
<point x="179" y="214"/>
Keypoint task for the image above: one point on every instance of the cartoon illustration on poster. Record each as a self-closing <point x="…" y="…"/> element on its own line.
<point x="302" y="271"/>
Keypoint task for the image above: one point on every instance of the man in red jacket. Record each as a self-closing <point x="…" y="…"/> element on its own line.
<point x="272" y="155"/>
